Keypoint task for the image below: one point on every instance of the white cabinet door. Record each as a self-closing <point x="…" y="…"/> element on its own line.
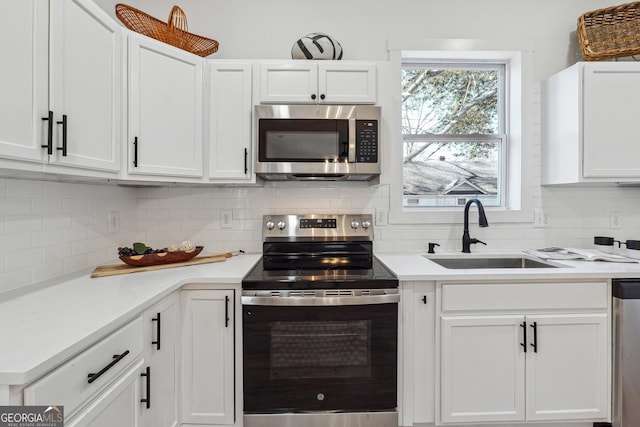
<point x="161" y="347"/>
<point x="229" y="124"/>
<point x="85" y="85"/>
<point x="294" y="82"/>
<point x="418" y="335"/>
<point x="165" y="109"/>
<point x="208" y="356"/>
<point x="118" y="406"/>
<point x="347" y="84"/>
<point x="306" y="82"/>
<point x="482" y="368"/>
<point x="588" y="124"/>
<point x="23" y="79"/>
<point x="567" y="373"/>
<point x="611" y="142"/>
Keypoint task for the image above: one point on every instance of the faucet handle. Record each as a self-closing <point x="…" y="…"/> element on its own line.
<point x="431" y="248"/>
<point x="477" y="241"/>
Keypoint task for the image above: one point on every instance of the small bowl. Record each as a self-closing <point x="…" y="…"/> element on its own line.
<point x="161" y="258"/>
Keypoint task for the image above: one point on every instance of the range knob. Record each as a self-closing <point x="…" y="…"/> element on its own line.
<point x="270" y="224"/>
<point x="355" y="224"/>
<point x="366" y="224"/>
<point x="281" y="225"/>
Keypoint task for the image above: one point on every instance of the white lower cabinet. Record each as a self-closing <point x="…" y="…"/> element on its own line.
<point x="524" y="352"/>
<point x="117" y="406"/>
<point x="102" y="386"/>
<point x="567" y="376"/>
<point x="482" y="369"/>
<point x="208" y="388"/>
<point x="416" y="395"/>
<point x="161" y="357"/>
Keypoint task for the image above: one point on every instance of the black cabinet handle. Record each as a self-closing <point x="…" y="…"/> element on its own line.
<point x="424" y="299"/>
<point x="135" y="152"/>
<point x="313" y="96"/>
<point x="322" y="96"/>
<point x="49" y="144"/>
<point x="116" y="359"/>
<point x="246" y="155"/>
<point x="523" y="325"/>
<point x="64" y="136"/>
<point x="157" y="341"/>
<point x="147" y="374"/>
<point x="226" y="311"/>
<point x="535" y="337"/>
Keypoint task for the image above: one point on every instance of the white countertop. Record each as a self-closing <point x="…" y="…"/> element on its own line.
<point x="42" y="329"/>
<point x="415" y="266"/>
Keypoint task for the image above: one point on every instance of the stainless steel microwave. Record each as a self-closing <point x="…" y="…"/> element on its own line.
<point x="317" y="142"/>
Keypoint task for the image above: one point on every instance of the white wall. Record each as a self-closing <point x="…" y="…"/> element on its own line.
<point x="268" y="29"/>
<point x="49" y="229"/>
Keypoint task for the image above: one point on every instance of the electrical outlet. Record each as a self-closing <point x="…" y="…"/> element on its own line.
<point x="615" y="219"/>
<point x="226" y="217"/>
<point x="114" y="222"/>
<point x="541" y="219"/>
<point x="382" y="216"/>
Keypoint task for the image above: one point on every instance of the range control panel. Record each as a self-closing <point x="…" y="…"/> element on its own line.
<point x="323" y="226"/>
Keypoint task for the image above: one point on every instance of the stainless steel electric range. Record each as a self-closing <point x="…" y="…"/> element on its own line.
<point x="320" y="326"/>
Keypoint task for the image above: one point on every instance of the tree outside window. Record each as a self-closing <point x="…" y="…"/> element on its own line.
<point x="453" y="126"/>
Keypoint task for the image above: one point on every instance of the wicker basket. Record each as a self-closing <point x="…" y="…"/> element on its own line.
<point x="174" y="31"/>
<point x="608" y="33"/>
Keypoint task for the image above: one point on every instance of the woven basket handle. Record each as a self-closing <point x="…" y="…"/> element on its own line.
<point x="177" y="19"/>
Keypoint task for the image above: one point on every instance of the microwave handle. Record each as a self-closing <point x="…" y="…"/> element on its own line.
<point x="352" y="141"/>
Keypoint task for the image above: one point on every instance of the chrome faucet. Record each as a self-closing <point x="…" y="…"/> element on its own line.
<point x="467" y="241"/>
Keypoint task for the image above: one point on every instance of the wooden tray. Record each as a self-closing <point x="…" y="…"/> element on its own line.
<point x="112" y="270"/>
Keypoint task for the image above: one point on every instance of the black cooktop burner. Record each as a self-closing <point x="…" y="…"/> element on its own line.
<point x="377" y="277"/>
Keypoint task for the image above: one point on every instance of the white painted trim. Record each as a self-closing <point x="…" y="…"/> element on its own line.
<point x="519" y="195"/>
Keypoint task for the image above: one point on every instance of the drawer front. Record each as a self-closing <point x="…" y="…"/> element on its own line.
<point x="524" y="296"/>
<point x="69" y="385"/>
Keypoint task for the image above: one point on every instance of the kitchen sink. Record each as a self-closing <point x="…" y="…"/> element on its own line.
<point x="463" y="262"/>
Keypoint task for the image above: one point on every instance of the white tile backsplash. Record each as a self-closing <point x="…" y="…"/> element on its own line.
<point x="51" y="229"/>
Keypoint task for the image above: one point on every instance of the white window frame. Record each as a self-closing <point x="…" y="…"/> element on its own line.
<point x="518" y="55"/>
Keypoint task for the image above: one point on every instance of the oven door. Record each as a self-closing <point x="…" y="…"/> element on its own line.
<point x="320" y="351"/>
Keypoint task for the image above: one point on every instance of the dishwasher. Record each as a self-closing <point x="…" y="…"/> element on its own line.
<point x="626" y="352"/>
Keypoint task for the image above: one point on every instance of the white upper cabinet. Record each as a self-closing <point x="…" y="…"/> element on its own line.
<point x="165" y="109"/>
<point x="588" y="127"/>
<point x="311" y="82"/>
<point x="85" y="85"/>
<point x="229" y="121"/>
<point x="61" y="94"/>
<point x="23" y="86"/>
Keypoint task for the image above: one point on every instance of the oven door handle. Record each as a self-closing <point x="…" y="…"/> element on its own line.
<point x="306" y="301"/>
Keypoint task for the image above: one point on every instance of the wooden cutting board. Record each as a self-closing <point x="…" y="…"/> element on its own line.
<point x="112" y="270"/>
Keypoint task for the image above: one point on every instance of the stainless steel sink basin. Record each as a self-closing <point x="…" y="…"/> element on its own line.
<point x="463" y="262"/>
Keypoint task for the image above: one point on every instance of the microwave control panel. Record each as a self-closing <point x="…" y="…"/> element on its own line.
<point x="366" y="141"/>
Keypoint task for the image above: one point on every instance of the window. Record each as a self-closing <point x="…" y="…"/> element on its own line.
<point x="487" y="155"/>
<point x="453" y="132"/>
